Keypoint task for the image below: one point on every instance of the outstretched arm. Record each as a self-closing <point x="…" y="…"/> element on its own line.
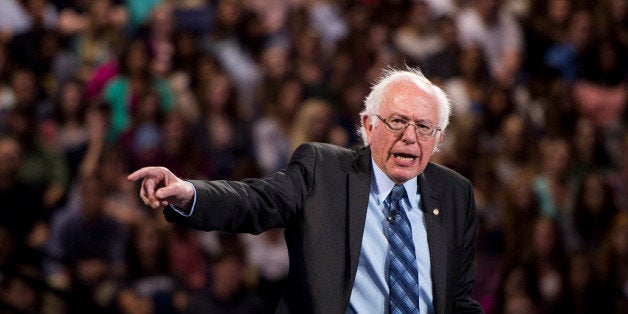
<point x="250" y="205"/>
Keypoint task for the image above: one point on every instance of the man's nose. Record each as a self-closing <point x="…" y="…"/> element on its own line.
<point x="409" y="134"/>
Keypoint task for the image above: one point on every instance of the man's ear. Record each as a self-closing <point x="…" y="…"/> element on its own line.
<point x="439" y="138"/>
<point x="368" y="127"/>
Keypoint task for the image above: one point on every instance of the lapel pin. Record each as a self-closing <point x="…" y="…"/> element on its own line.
<point x="436" y="211"/>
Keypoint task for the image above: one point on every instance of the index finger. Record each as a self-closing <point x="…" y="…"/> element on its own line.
<point x="142" y="173"/>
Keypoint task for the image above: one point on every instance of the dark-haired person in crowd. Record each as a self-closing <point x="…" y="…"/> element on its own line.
<point x="21" y="213"/>
<point x="86" y="250"/>
<point x="377" y="229"/>
<point x="226" y="292"/>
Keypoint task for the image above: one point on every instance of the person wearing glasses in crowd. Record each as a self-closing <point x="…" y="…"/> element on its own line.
<point x="379" y="229"/>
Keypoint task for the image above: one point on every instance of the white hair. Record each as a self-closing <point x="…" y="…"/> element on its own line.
<point x="373" y="101"/>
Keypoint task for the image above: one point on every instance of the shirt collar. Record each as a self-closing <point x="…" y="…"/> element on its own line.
<point x="381" y="185"/>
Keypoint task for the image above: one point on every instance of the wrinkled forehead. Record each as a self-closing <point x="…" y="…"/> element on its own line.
<point x="409" y="90"/>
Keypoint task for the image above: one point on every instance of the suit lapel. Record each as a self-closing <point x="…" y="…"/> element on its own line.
<point x="358" y="183"/>
<point x="437" y="242"/>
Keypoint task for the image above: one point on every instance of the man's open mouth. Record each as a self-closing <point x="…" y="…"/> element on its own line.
<point x="404" y="157"/>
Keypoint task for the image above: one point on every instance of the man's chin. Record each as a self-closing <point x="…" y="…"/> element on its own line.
<point x="401" y="177"/>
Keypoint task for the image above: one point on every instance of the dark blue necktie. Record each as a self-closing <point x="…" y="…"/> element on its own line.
<point x="403" y="279"/>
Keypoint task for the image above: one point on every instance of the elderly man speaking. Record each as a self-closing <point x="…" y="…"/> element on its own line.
<point x="380" y="229"/>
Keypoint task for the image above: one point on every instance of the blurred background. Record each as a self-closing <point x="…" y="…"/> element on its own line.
<point x="226" y="89"/>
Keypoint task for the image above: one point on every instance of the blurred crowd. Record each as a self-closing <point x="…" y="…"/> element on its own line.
<point x="227" y="89"/>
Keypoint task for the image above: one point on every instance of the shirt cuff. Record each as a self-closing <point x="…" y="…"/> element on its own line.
<point x="181" y="211"/>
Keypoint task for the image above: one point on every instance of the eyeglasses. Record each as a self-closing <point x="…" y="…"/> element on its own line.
<point x="398" y="125"/>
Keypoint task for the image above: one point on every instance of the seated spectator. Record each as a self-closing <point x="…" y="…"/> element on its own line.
<point x="221" y="133"/>
<point x="22" y="212"/>
<point x="416" y="37"/>
<point x="545" y="259"/>
<point x="520" y="211"/>
<point x="124" y="91"/>
<point x="225" y="44"/>
<point x="226" y="291"/>
<point x="468" y="89"/>
<point x="518" y="290"/>
<point x="118" y="200"/>
<point x="594" y="211"/>
<point x="442" y="65"/>
<point x="159" y="33"/>
<point x="589" y="152"/>
<point x="268" y="255"/>
<point x="513" y="148"/>
<point x="143" y="137"/>
<point x="565" y="56"/>
<point x="87" y="249"/>
<point x="486" y="23"/>
<point x="97" y="41"/>
<point x="314" y="122"/>
<point x="42" y="167"/>
<point x="147" y="283"/>
<point x="552" y="184"/>
<point x="600" y="87"/>
<point x="545" y="26"/>
<point x="25" y="92"/>
<point x="583" y="292"/>
<point x="613" y="263"/>
<point x="69" y="123"/>
<point x="187" y="258"/>
<point x="270" y="133"/>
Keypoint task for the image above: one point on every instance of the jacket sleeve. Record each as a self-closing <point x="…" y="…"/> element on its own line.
<point x="253" y="205"/>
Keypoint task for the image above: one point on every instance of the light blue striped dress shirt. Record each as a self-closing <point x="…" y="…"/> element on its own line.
<point x="370" y="289"/>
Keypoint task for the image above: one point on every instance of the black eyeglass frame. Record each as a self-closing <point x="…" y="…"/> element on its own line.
<point x="421" y="129"/>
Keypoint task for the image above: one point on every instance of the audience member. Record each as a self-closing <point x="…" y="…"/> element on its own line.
<point x="21" y="213"/>
<point x="87" y="249"/>
<point x="552" y="184"/>
<point x="468" y="89"/>
<point x="217" y="131"/>
<point x="545" y="27"/>
<point x="314" y="123"/>
<point x="517" y="283"/>
<point x="124" y="91"/>
<point x="417" y="37"/>
<point x="100" y="40"/>
<point x="565" y="56"/>
<point x="582" y="291"/>
<point x="226" y="291"/>
<point x="270" y="133"/>
<point x="443" y="65"/>
<point x="613" y="263"/>
<point x="546" y="257"/>
<point x="594" y="211"/>
<point x="520" y="208"/>
<point x="70" y="125"/>
<point x="487" y="24"/>
<point x="42" y="167"/>
<point x="268" y="255"/>
<point x="147" y="283"/>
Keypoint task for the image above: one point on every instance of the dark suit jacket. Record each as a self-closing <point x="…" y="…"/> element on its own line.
<point x="321" y="199"/>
